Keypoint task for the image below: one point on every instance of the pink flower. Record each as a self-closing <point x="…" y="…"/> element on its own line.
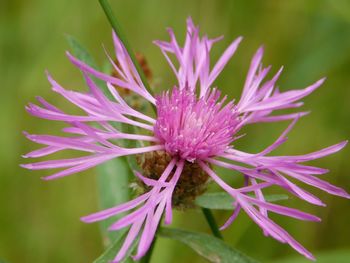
<point x="193" y="125"/>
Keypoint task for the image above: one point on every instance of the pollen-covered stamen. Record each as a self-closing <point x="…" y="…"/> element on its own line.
<point x="195" y="128"/>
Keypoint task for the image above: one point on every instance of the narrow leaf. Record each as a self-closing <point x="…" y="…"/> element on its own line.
<point x="338" y="256"/>
<point x="209" y="247"/>
<point x="223" y="201"/>
<point x="113" y="188"/>
<point x="82" y="54"/>
<point x="113" y="249"/>
<point x="113" y="176"/>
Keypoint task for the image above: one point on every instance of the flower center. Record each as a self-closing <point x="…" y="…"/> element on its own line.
<point x="192" y="182"/>
<point x="194" y="128"/>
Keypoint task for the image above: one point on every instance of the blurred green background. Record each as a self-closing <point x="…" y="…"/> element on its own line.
<point x="39" y="221"/>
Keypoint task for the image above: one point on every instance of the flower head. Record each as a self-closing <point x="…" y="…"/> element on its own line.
<point x="194" y="129"/>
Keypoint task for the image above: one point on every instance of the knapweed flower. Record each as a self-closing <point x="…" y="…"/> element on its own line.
<point x="193" y="131"/>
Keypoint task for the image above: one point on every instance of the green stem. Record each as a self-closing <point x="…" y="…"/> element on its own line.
<point x="211" y="222"/>
<point x="118" y="30"/>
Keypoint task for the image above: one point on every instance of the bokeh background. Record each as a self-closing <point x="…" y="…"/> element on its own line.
<point x="39" y="221"/>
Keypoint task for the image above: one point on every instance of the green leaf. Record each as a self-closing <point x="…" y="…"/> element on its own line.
<point x="113" y="249"/>
<point x="209" y="247"/>
<point x="82" y="54"/>
<point x="224" y="201"/>
<point x="336" y="256"/>
<point x="113" y="176"/>
<point x="113" y="188"/>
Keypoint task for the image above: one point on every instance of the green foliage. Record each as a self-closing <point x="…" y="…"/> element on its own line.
<point x="223" y="201"/>
<point x="337" y="256"/>
<point x="113" y="176"/>
<point x="113" y="248"/>
<point x="113" y="186"/>
<point x="209" y="247"/>
<point x="82" y="54"/>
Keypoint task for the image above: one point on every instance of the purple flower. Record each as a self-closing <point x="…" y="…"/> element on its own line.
<point x="193" y="125"/>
